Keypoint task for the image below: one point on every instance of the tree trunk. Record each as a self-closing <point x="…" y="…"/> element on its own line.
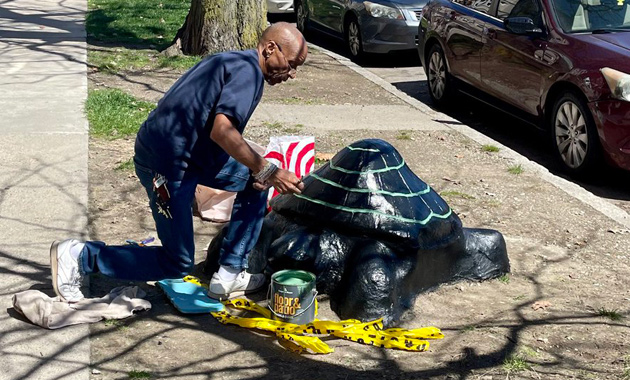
<point x="220" y="25"/>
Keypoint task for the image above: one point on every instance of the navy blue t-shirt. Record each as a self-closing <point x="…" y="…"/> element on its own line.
<point x="175" y="138"/>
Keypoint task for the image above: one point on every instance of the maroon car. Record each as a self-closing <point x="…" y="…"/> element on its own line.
<point x="563" y="65"/>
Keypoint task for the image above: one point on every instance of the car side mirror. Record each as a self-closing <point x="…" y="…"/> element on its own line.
<point x="521" y="25"/>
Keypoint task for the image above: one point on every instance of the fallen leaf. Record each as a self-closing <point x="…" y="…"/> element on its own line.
<point x="324" y="156"/>
<point x="541" y="305"/>
<point x="455" y="181"/>
<point x="620" y="231"/>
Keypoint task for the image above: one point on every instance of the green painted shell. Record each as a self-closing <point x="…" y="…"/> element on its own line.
<point x="368" y="189"/>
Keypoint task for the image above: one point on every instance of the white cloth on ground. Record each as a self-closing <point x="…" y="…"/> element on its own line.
<point x="52" y="313"/>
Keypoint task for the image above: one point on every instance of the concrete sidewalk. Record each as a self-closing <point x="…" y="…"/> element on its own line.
<point x="43" y="180"/>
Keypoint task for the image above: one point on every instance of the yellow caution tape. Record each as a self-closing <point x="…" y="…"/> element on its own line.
<point x="299" y="338"/>
<point x="195" y="281"/>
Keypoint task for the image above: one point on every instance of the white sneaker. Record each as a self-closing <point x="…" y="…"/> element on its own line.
<point x="66" y="277"/>
<point x="245" y="283"/>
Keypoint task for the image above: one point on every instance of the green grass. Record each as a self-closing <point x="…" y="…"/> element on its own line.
<point x="112" y="322"/>
<point x="613" y="315"/>
<point x="469" y="328"/>
<point x="404" y="135"/>
<point x="456" y="194"/>
<point x="138" y="29"/>
<point x="298" y="100"/>
<point x="529" y="352"/>
<point x="114" y="61"/>
<point x="125" y="166"/>
<point x="626" y="368"/>
<point x="114" y="114"/>
<point x="504" y="279"/>
<point x="272" y="125"/>
<point x="515" y="363"/>
<point x="516" y="169"/>
<point x="295" y="130"/>
<point x="490" y="148"/>
<point x="147" y="23"/>
<point x="139" y="375"/>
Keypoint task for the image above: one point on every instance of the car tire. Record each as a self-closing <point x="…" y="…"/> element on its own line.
<point x="438" y="79"/>
<point x="574" y="135"/>
<point x="354" y="41"/>
<point x="301" y="16"/>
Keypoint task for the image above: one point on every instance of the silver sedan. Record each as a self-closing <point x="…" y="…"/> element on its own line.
<point x="367" y="26"/>
<point x="280" y="6"/>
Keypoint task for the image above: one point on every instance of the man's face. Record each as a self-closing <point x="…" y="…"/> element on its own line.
<point x="279" y="65"/>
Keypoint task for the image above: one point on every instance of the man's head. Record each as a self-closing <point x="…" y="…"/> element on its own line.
<point x="281" y="49"/>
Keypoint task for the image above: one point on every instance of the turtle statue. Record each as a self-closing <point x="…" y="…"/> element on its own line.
<point x="373" y="233"/>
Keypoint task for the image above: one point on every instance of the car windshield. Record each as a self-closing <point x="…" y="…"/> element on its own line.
<point x="599" y="16"/>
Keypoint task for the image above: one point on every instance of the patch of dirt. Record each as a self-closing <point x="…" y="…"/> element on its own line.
<point x="321" y="80"/>
<point x="569" y="264"/>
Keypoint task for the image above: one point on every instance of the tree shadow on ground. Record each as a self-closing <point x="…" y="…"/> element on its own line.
<point x="255" y="355"/>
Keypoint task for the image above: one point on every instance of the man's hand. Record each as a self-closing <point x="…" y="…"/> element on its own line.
<point x="284" y="181"/>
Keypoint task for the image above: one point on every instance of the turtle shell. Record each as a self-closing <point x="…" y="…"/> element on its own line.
<point x="368" y="189"/>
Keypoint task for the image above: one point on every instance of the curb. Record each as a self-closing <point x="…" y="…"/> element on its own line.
<point x="613" y="212"/>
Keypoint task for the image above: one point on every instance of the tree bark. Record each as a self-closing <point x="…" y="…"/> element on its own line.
<point x="220" y="25"/>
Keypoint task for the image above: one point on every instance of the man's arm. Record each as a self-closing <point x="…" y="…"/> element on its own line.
<point x="229" y="138"/>
<point x="231" y="141"/>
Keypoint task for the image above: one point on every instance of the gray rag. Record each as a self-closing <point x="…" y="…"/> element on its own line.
<point x="53" y="313"/>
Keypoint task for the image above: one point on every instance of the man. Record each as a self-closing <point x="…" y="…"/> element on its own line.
<point x="194" y="136"/>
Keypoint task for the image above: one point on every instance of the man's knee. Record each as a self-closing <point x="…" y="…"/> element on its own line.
<point x="180" y="264"/>
<point x="181" y="268"/>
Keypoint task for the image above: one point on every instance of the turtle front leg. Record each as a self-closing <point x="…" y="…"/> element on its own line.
<point x="371" y="285"/>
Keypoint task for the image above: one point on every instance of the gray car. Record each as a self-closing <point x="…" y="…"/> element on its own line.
<point x="375" y="26"/>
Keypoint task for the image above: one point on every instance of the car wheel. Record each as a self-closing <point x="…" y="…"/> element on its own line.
<point x="301" y="16"/>
<point x="574" y="135"/>
<point x="354" y="40"/>
<point x="440" y="85"/>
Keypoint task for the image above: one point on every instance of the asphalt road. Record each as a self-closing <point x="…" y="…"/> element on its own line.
<point x="404" y="71"/>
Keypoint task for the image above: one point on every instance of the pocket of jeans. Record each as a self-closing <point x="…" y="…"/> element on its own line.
<point x="142" y="168"/>
<point x="145" y="175"/>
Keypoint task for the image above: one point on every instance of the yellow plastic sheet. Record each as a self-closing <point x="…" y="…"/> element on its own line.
<point x="300" y="338"/>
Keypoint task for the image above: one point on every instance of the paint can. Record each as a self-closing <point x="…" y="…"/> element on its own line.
<point x="292" y="296"/>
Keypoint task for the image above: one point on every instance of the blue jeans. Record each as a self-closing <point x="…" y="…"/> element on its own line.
<point x="175" y="258"/>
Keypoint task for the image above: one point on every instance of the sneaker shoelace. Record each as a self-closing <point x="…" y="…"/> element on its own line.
<point x="74" y="283"/>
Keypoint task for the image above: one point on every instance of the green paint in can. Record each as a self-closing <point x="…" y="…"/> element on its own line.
<point x="292" y="296"/>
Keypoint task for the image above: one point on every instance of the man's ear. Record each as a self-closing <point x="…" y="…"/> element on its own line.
<point x="270" y="47"/>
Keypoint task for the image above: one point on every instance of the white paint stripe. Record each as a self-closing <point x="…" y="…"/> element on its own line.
<point x="613" y="212"/>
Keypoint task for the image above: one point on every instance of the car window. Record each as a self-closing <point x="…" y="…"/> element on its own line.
<point x="505" y="7"/>
<point x="520" y="8"/>
<point x="588" y="15"/>
<point x="478" y="5"/>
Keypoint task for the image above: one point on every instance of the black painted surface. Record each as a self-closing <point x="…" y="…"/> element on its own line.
<point x="374" y="234"/>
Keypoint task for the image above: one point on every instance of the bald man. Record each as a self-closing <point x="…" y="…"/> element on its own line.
<point x="194" y="136"/>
